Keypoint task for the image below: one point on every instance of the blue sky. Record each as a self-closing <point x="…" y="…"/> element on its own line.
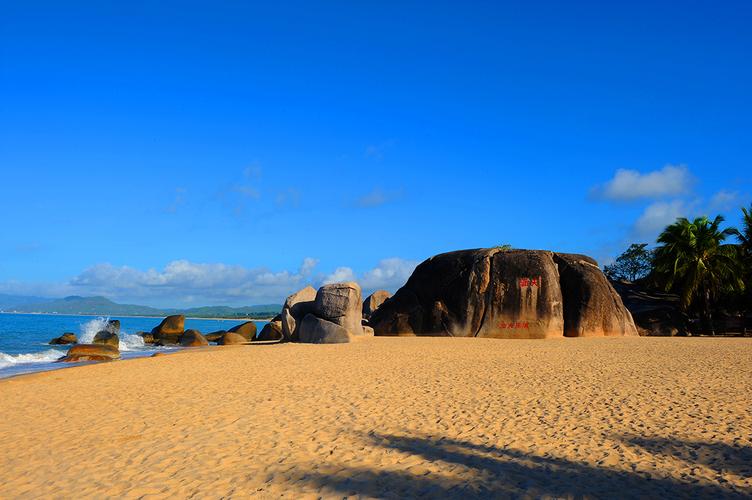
<point x="227" y="152"/>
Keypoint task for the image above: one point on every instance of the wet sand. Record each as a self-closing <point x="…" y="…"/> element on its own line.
<point x="390" y="417"/>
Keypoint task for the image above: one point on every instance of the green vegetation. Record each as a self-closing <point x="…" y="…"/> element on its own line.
<point x="104" y="306"/>
<point x="634" y="264"/>
<point x="696" y="260"/>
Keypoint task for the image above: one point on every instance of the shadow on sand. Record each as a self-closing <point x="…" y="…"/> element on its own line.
<point x="719" y="457"/>
<point x="473" y="471"/>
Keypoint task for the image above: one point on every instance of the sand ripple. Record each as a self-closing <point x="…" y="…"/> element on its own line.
<point x="390" y="417"/>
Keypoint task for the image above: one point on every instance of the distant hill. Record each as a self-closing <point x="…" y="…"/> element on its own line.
<point x="104" y="306"/>
<point x="262" y="311"/>
<point x="9" y="301"/>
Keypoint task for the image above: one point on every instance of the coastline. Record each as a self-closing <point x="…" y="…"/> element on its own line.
<point x="391" y="417"/>
<point x="131" y="316"/>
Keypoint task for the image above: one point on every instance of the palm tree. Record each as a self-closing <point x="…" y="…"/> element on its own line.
<point x="693" y="260"/>
<point x="745" y="243"/>
<point x="745" y="236"/>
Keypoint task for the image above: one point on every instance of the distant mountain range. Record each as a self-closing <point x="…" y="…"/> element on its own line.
<point x="104" y="306"/>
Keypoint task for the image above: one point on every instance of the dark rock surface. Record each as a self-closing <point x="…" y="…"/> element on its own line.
<point x="655" y="313"/>
<point x="168" y="332"/>
<point x="64" y="339"/>
<point x="107" y="337"/>
<point x="215" y="336"/>
<point x="592" y="308"/>
<point x="315" y="330"/>
<point x="231" y="338"/>
<point x="246" y="330"/>
<point x="296" y="307"/>
<point x="91" y="352"/>
<point x="193" y="338"/>
<point x="341" y="304"/>
<point x="504" y="294"/>
<point x="271" y="331"/>
<point x="373" y="301"/>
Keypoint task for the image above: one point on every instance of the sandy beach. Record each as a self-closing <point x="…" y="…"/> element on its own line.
<point x="390" y="417"/>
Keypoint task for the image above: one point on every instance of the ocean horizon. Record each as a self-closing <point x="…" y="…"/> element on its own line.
<point x="25" y="337"/>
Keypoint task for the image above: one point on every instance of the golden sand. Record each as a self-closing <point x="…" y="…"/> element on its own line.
<point x="390" y="417"/>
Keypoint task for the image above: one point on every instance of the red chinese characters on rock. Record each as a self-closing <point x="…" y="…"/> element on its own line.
<point x="530" y="281"/>
<point x="514" y="324"/>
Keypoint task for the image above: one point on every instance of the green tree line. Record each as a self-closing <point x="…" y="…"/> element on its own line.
<point x="708" y="266"/>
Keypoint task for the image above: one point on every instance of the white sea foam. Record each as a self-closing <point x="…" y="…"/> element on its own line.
<point x="128" y="342"/>
<point x="91" y="328"/>
<point x="47" y="356"/>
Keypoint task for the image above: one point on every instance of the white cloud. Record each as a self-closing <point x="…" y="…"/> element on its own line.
<point x="372" y="199"/>
<point x="182" y="282"/>
<point x="658" y="215"/>
<point x="723" y="200"/>
<point x="340" y="274"/>
<point x="288" y="197"/>
<point x="627" y="185"/>
<point x="377" y="197"/>
<point x="178" y="200"/>
<point x="389" y="274"/>
<point x="307" y="266"/>
<point x="218" y="283"/>
<point x="247" y="191"/>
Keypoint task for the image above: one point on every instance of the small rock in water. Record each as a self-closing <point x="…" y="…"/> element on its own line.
<point x="193" y="338"/>
<point x="66" y="338"/>
<point x="91" y="352"/>
<point x="106" y="337"/>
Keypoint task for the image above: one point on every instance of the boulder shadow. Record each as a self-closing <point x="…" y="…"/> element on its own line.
<point x="720" y="457"/>
<point x="477" y="471"/>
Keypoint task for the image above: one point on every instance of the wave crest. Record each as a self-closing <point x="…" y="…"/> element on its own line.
<point x="47" y="356"/>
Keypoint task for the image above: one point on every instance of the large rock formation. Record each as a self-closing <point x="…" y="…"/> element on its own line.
<point x="337" y="303"/>
<point x="246" y="330"/>
<point x="147" y="336"/>
<point x="341" y="304"/>
<point x="655" y="313"/>
<point x="113" y="326"/>
<point x="592" y="308"/>
<point x="315" y="330"/>
<point x="231" y="338"/>
<point x="504" y="294"/>
<point x="64" y="339"/>
<point x="193" y="338"/>
<point x="107" y="338"/>
<point x="296" y="307"/>
<point x="373" y="302"/>
<point x="169" y="330"/>
<point x="91" y="352"/>
<point x="271" y="331"/>
<point x="215" y="336"/>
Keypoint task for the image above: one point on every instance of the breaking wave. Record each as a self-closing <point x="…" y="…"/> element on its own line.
<point x="128" y="342"/>
<point x="48" y="356"/>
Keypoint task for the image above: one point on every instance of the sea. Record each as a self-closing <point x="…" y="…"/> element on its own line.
<point x="24" y="338"/>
